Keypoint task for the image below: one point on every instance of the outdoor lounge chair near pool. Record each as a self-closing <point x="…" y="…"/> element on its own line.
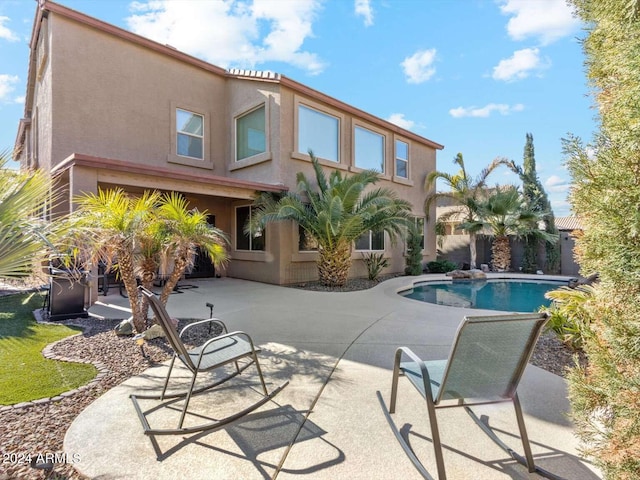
<point x="225" y="349"/>
<point x="485" y="365"/>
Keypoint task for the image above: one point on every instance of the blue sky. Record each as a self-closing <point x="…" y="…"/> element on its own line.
<point x="473" y="75"/>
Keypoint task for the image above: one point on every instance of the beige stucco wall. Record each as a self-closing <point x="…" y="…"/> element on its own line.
<point x="115" y="99"/>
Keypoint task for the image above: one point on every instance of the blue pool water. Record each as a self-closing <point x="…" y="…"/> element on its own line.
<point x="505" y="295"/>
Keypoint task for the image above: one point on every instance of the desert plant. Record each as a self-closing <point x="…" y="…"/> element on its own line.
<point x="335" y="212"/>
<point x="505" y="212"/>
<point x="25" y="232"/>
<point x="375" y="263"/>
<point x="141" y="234"/>
<point x="568" y="315"/>
<point x="466" y="194"/>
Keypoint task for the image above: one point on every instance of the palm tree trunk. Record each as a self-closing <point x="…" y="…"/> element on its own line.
<point x="501" y="252"/>
<point x="334" y="264"/>
<point x="126" y="269"/>
<point x="473" y="249"/>
<point x="179" y="267"/>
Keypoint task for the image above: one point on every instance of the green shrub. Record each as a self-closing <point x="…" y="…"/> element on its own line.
<point x="441" y="266"/>
<point x="414" y="252"/>
<point x="375" y="263"/>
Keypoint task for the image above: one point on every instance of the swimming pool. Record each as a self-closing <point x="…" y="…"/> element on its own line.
<point x="500" y="294"/>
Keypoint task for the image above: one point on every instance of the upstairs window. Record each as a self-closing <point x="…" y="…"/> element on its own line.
<point x="370" y="241"/>
<point x="402" y="159"/>
<point x="253" y="241"/>
<point x="190" y="134"/>
<point x="250" y="134"/>
<point x="369" y="150"/>
<point x="319" y="133"/>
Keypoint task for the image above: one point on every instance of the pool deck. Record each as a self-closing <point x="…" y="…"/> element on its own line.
<point x="336" y="350"/>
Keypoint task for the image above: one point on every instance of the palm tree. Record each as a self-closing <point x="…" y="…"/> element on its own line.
<point x="186" y="232"/>
<point x="466" y="194"/>
<point x="506" y="213"/>
<point x="335" y="212"/>
<point x="114" y="224"/>
<point x="141" y="234"/>
<point x="24" y="231"/>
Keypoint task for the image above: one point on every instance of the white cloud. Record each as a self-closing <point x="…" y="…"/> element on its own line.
<point x="419" y="67"/>
<point x="547" y="20"/>
<point x="483" y="112"/>
<point x="7" y="85"/>
<point x="5" y="33"/>
<point x="557" y="184"/>
<point x="232" y="33"/>
<point x="363" y="9"/>
<point x="398" y="119"/>
<point x="519" y="65"/>
<point x="19" y="100"/>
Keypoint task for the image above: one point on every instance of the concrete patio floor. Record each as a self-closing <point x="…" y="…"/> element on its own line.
<point x="336" y="350"/>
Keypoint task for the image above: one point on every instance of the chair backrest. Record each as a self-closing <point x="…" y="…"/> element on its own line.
<point x="489" y="355"/>
<point x="163" y="319"/>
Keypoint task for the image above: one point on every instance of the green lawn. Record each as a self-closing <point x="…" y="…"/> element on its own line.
<point x="24" y="373"/>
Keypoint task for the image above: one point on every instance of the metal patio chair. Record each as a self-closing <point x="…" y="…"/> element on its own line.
<point x="217" y="352"/>
<point x="485" y="365"/>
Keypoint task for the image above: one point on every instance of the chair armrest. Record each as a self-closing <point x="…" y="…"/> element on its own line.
<point x="425" y="387"/>
<point x="201" y="322"/>
<point x="237" y="333"/>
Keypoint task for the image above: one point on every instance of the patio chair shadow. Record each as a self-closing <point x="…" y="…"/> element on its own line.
<point x="553" y="459"/>
<point x="262" y="432"/>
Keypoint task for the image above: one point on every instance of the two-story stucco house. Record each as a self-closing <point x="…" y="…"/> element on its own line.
<point x="108" y="108"/>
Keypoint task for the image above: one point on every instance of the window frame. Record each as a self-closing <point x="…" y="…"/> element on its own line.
<point x="189" y="134"/>
<point x="240" y="116"/>
<point x="399" y="159"/>
<point x="298" y="153"/>
<point x="370" y="249"/>
<point x="383" y="147"/>
<point x="250" y="237"/>
<point x="172" y="147"/>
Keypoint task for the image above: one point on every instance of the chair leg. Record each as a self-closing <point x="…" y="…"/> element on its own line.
<point x="435" y="435"/>
<point x="264" y="386"/>
<point x="187" y="399"/>
<point x="523" y="434"/>
<point x="166" y="380"/>
<point x="394" y="382"/>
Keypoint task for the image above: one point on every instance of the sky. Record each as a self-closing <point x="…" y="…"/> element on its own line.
<point x="473" y="75"/>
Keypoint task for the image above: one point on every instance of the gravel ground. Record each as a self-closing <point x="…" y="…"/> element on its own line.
<point x="39" y="430"/>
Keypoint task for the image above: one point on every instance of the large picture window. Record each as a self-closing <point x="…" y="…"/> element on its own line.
<point x="190" y="134"/>
<point x="250" y="134"/>
<point x="370" y="241"/>
<point x="253" y="241"/>
<point x="402" y="159"/>
<point x="369" y="150"/>
<point x="318" y="132"/>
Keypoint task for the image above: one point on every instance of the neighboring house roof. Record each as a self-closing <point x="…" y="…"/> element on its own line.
<point x="47" y="6"/>
<point x="568" y="223"/>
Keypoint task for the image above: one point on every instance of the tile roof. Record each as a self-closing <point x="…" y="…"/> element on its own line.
<point x="568" y="223"/>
